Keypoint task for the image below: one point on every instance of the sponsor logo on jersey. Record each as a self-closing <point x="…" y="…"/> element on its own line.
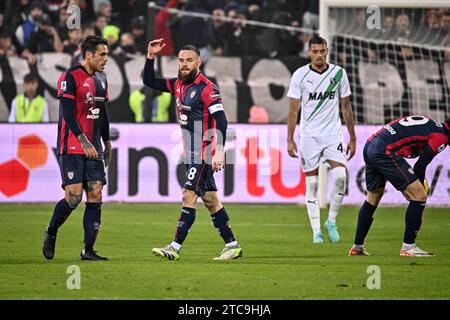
<point x="183" y="119"/>
<point x="390" y="129"/>
<point x="86" y="84"/>
<point x="95" y="113"/>
<point x="321" y="95"/>
<point x="214" y="96"/>
<point x="63" y="85"/>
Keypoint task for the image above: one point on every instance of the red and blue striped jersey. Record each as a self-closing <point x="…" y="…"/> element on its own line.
<point x="89" y="92"/>
<point x="408" y="136"/>
<point x="195" y="104"/>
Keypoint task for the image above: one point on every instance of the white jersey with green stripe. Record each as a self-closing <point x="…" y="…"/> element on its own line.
<point x="319" y="94"/>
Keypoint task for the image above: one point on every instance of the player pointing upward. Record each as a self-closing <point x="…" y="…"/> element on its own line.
<point x="319" y="88"/>
<point x="204" y="124"/>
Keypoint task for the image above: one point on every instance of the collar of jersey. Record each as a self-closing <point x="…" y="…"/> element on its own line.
<point x="84" y="69"/>
<point x="319" y="72"/>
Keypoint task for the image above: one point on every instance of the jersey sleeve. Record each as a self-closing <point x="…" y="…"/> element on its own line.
<point x="438" y="142"/>
<point x="295" y="90"/>
<point x="211" y="99"/>
<point x="344" y="86"/>
<point x="66" y="86"/>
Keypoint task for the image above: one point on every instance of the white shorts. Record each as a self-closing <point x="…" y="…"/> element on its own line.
<point x="312" y="149"/>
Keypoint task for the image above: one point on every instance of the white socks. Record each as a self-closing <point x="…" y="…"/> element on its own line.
<point x="312" y="205"/>
<point x="339" y="188"/>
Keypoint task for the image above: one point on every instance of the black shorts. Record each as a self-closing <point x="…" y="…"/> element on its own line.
<point x="200" y="178"/>
<point x="76" y="168"/>
<point x="382" y="167"/>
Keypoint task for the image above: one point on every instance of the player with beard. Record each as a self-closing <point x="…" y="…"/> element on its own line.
<point x="203" y="122"/>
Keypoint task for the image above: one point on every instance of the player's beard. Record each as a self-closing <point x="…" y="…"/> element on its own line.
<point x="189" y="77"/>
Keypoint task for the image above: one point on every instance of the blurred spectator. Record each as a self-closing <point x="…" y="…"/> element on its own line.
<point x="402" y="28"/>
<point x="45" y="39"/>
<point x="219" y="30"/>
<point x="6" y="46"/>
<point x="100" y="24"/>
<point x="445" y="42"/>
<point x="162" y="28"/>
<point x="72" y="43"/>
<point x="403" y="33"/>
<point x="29" y="106"/>
<point x="126" y="46"/>
<point x="138" y="32"/>
<point x="239" y="37"/>
<point x="61" y="26"/>
<point x="432" y="33"/>
<point x="191" y="30"/>
<point x="16" y="13"/>
<point x="86" y="8"/>
<point x="387" y="31"/>
<point x="29" y="26"/>
<point x="125" y="10"/>
<point x="111" y="34"/>
<point x="103" y="7"/>
<point x="311" y="16"/>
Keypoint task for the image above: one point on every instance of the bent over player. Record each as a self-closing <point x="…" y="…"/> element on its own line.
<point x="83" y="123"/>
<point x="384" y="155"/>
<point x="201" y="115"/>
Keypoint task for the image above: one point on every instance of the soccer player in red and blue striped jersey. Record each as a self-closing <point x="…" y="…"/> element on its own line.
<point x="83" y="124"/>
<point x="384" y="155"/>
<point x="203" y="124"/>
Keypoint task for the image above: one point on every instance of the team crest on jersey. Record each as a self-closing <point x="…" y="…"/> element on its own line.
<point x="193" y="93"/>
<point x="63" y="85"/>
<point x="89" y="98"/>
<point x="103" y="85"/>
<point x="70" y="175"/>
<point x="333" y="81"/>
<point x="411" y="170"/>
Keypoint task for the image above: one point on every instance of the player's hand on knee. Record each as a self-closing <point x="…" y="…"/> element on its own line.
<point x="292" y="149"/>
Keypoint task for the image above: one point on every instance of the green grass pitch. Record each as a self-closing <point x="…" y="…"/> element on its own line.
<point x="280" y="261"/>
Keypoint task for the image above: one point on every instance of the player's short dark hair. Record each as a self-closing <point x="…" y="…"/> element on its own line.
<point x="30" y="77"/>
<point x="190" y="47"/>
<point x="91" y="43"/>
<point x="317" y="40"/>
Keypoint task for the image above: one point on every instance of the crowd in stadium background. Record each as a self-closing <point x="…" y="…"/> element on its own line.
<point x="40" y="26"/>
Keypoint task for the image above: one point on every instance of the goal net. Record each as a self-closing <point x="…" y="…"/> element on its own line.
<point x="396" y="54"/>
<point x="397" y="57"/>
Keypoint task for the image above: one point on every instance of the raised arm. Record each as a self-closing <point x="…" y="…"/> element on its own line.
<point x="149" y="79"/>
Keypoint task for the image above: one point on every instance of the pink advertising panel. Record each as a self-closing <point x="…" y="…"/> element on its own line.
<point x="146" y="166"/>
